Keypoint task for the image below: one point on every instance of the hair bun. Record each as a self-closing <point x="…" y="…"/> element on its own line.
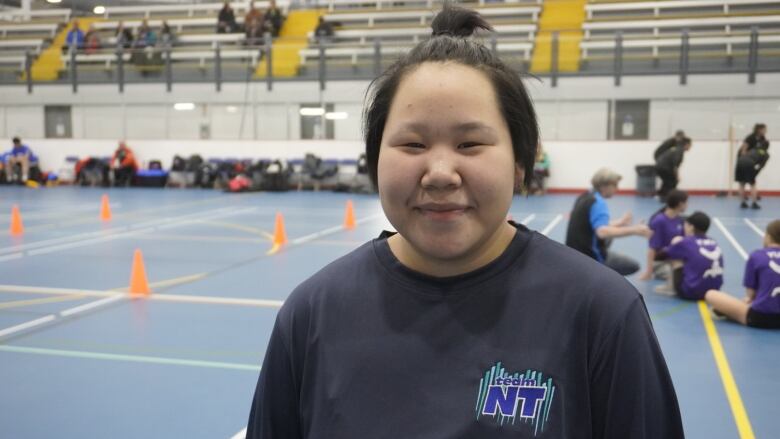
<point x="458" y="22"/>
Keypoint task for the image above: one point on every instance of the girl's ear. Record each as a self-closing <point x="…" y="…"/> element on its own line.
<point x="519" y="176"/>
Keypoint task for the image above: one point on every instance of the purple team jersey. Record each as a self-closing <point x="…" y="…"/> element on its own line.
<point x="664" y="230"/>
<point x="762" y="273"/>
<point x="702" y="265"/>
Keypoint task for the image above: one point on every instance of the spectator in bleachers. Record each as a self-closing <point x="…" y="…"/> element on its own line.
<point x="74" y="39"/>
<point x="91" y="40"/>
<point x="123" y="165"/>
<point x="324" y="31"/>
<point x="22" y="156"/>
<point x="167" y="35"/>
<point x="226" y="22"/>
<point x="273" y="19"/>
<point x="253" y="25"/>
<point x="124" y="36"/>
<point x="145" y="36"/>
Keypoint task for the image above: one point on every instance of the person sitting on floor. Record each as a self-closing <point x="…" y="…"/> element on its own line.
<point x="666" y="224"/>
<point x="760" y="308"/>
<point x="697" y="261"/>
<point x="124" y="165"/>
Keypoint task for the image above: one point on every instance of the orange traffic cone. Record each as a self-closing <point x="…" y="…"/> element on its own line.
<point x="349" y="216"/>
<point x="105" y="209"/>
<point x="17" y="228"/>
<point x="138" y="282"/>
<point x="280" y="236"/>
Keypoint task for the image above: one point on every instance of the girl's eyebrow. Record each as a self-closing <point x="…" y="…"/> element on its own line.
<point x="417" y="127"/>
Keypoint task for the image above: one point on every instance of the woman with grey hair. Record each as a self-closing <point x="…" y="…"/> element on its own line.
<point x="591" y="231"/>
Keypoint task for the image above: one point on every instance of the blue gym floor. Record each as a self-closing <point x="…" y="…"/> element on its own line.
<point x="155" y="367"/>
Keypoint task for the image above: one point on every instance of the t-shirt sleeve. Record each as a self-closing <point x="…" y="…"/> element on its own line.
<point x="676" y="251"/>
<point x="656" y="239"/>
<point x="632" y="395"/>
<point x="599" y="215"/>
<point x="750" y="279"/>
<point x="275" y="411"/>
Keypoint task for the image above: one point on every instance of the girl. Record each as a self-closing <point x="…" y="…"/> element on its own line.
<point x="761" y="306"/>
<point x="697" y="260"/>
<point x="460" y="325"/>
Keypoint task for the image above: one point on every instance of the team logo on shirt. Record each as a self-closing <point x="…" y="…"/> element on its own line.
<point x="511" y="397"/>
<point x="716" y="269"/>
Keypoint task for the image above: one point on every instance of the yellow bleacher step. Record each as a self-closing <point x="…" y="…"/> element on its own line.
<point x="566" y="18"/>
<point x="48" y="64"/>
<point x="293" y="38"/>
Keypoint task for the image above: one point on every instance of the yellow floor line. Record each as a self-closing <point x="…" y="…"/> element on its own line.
<point x="732" y="392"/>
<point x="243" y="228"/>
<point x="21" y="303"/>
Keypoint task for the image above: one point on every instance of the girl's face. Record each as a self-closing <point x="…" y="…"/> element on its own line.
<point x="446" y="171"/>
<point x="688" y="229"/>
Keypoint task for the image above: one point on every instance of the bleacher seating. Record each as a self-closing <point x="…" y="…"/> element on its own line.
<point x="652" y="30"/>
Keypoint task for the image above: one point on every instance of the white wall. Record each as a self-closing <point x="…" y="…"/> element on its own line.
<point x="249" y="121"/>
<point x="707" y="166"/>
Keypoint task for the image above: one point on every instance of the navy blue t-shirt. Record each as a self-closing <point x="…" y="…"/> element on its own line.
<point x="542" y="342"/>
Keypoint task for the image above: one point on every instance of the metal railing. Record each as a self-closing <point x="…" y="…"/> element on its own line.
<point x="751" y="53"/>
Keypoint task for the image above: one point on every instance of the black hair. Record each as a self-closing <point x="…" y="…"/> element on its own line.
<point x="679" y="133"/>
<point x="450" y="43"/>
<point x="758" y="126"/>
<point x="700" y="222"/>
<point x="16" y="140"/>
<point x="675" y="197"/>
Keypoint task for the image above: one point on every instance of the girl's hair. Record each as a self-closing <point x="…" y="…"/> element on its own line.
<point x="450" y="42"/>
<point x="773" y="230"/>
<point x="757" y="127"/>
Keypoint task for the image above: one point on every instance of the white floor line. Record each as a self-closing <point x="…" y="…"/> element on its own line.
<point x="183" y="298"/>
<point x="26" y="325"/>
<point x="552" y="224"/>
<point x="240" y="435"/>
<point x="58" y="316"/>
<point x="166" y="223"/>
<point x="731" y="238"/>
<point x="754" y="227"/>
<point x="46" y="242"/>
<point x="331" y="230"/>
<point x="525" y="221"/>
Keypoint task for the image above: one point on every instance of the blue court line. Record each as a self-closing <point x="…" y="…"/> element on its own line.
<point x="129" y="358"/>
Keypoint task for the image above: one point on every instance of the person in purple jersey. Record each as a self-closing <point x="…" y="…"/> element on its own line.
<point x="666" y="224"/>
<point x="696" y="259"/>
<point x="761" y="306"/>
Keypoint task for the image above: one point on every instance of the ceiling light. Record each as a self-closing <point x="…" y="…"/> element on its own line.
<point x="99" y="10"/>
<point x="308" y="111"/>
<point x="54" y="1"/>
<point x="231" y="109"/>
<point x="336" y="115"/>
<point x="184" y="106"/>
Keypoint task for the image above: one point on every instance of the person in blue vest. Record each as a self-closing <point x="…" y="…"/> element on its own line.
<point x="591" y="229"/>
<point x="460" y="324"/>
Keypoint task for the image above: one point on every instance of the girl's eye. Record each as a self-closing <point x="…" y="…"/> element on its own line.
<point x="414" y="145"/>
<point x="468" y="145"/>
